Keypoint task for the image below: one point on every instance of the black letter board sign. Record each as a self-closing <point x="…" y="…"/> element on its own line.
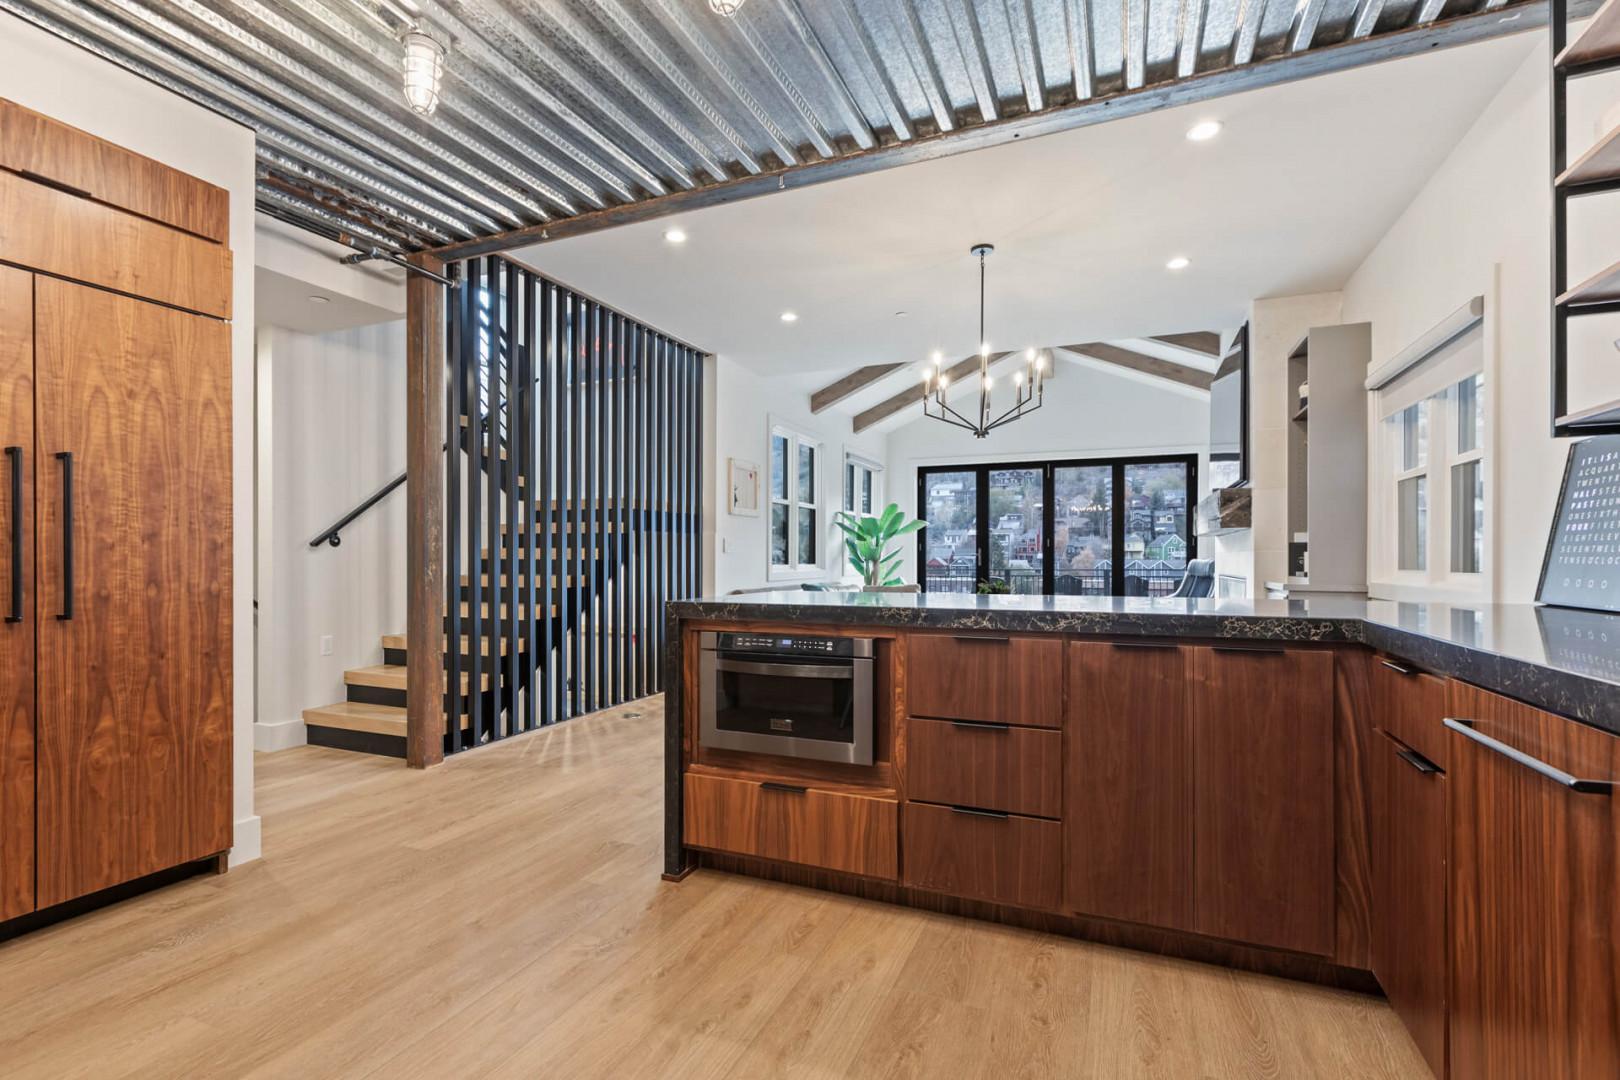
<point x="1582" y="567"/>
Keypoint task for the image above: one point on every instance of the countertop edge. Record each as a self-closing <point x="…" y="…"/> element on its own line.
<point x="1589" y="699"/>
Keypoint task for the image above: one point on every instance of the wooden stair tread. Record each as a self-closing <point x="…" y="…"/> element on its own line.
<point x="358" y="716"/>
<point x="397" y="641"/>
<point x="392" y="677"/>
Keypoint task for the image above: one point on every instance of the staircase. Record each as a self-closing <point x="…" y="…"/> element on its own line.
<point x="371" y="718"/>
<point x="573" y="456"/>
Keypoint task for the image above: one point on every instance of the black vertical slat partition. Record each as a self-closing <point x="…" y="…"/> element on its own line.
<point x="572" y="502"/>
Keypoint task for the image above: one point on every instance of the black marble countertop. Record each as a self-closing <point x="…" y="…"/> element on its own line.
<point x="1557" y="659"/>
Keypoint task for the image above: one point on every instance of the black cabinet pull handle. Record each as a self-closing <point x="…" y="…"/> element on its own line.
<point x="983" y="639"/>
<point x="66" y="458"/>
<point x="976" y="812"/>
<point x="787" y="789"/>
<point x="983" y="725"/>
<point x="1400" y="669"/>
<point x="15" y="454"/>
<point x="1255" y="650"/>
<point x="1143" y="645"/>
<point x="1466" y="729"/>
<point x="1416" y="760"/>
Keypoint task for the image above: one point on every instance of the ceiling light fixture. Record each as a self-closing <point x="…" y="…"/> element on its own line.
<point x="1029" y="385"/>
<point x="675" y="236"/>
<point x="1178" y="262"/>
<point x="1203" y="131"/>
<point x="727" y="8"/>
<point x="424" y="70"/>
<point x="790" y="316"/>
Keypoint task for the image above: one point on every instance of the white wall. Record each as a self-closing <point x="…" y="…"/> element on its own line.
<point x="744" y="406"/>
<point x="60" y="80"/>
<point x="1088" y="412"/>
<point x="336" y="433"/>
<point x="1480" y="227"/>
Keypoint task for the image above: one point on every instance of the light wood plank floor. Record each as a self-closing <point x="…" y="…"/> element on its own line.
<point x="502" y="916"/>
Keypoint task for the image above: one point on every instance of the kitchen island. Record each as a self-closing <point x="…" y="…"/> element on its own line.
<point x="1369" y="794"/>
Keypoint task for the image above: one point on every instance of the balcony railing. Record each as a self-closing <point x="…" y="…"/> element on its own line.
<point x="1094" y="581"/>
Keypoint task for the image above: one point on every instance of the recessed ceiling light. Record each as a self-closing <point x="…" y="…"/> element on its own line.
<point x="790" y="316"/>
<point x="675" y="236"/>
<point x="1179" y="262"/>
<point x="317" y="298"/>
<point x="1204" y="130"/>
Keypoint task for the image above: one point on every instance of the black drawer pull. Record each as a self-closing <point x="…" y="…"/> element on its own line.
<point x="1416" y="760"/>
<point x="786" y="789"/>
<point x="1400" y="669"/>
<point x="976" y="812"/>
<point x="1143" y="645"/>
<point x="984" y="725"/>
<point x="1253" y="650"/>
<point x="15" y="454"/>
<point x="1466" y="729"/>
<point x="66" y="458"/>
<point x="982" y="639"/>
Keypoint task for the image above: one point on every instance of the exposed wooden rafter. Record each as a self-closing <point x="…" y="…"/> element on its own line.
<point x="913" y="395"/>
<point x="1144" y="365"/>
<point x="1207" y="342"/>
<point x="849" y="385"/>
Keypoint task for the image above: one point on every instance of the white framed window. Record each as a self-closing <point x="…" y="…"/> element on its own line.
<point x="796" y="523"/>
<point x="863" y="485"/>
<point x="1431" y="478"/>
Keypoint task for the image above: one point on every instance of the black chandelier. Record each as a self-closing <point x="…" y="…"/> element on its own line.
<point x="1029" y="384"/>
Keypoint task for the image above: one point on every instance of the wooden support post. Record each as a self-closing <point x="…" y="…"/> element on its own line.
<point x="424" y="516"/>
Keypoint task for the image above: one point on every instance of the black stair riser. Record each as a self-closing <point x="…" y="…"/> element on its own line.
<point x="361" y="742"/>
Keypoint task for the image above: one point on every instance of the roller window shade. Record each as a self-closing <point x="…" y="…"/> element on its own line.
<point x="1451" y="363"/>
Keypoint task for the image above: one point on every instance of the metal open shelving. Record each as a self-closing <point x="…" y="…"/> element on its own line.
<point x="1597" y="170"/>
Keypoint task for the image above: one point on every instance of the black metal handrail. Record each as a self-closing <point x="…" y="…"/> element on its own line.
<point x="333" y="536"/>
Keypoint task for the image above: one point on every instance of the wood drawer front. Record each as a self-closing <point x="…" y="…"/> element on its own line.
<point x="45" y="229"/>
<point x="1411" y="706"/>
<point x="853" y="834"/>
<point x="1001" y="679"/>
<point x="31" y="143"/>
<point x="1019" y="770"/>
<point x="1004" y="859"/>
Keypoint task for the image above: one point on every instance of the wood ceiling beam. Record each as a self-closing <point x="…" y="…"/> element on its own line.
<point x="1200" y="341"/>
<point x="913" y="395"/>
<point x="1145" y="365"/>
<point x="853" y="383"/>
<point x="1272" y="71"/>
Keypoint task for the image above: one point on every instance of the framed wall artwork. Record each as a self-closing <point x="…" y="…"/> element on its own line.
<point x="743" y="479"/>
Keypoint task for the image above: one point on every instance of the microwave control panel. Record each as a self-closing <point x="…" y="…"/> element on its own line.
<point x="784" y="644"/>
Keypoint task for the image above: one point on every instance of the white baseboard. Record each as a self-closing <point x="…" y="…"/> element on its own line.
<point x="245" y="841"/>
<point x="283" y="735"/>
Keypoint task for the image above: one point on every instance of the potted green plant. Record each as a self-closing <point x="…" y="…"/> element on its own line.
<point x="994" y="587"/>
<point x="867" y="539"/>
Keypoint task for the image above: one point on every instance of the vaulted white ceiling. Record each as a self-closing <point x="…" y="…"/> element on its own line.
<point x="1300" y="184"/>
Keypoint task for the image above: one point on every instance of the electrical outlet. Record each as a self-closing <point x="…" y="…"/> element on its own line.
<point x="326" y="644"/>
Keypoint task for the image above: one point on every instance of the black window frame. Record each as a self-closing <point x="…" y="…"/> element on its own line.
<point x="981" y="472"/>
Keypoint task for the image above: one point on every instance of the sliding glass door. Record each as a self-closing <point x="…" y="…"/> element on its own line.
<point x="948" y="551"/>
<point x="1095" y="527"/>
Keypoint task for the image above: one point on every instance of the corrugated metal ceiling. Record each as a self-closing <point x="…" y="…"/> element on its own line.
<point x="554" y="108"/>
